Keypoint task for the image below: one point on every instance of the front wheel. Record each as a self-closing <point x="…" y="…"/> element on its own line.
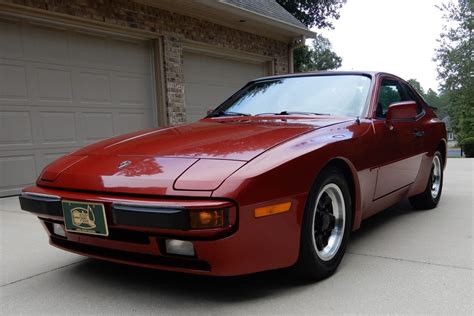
<point x="429" y="198"/>
<point x="326" y="226"/>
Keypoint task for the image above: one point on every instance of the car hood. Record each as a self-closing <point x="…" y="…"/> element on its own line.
<point x="222" y="139"/>
<point x="198" y="156"/>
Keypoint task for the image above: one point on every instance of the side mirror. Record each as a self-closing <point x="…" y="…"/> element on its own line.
<point x="401" y="111"/>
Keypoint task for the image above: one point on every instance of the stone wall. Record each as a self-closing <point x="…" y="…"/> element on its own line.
<point x="174" y="28"/>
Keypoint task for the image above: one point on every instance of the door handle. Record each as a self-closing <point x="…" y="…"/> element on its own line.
<point x="418" y="133"/>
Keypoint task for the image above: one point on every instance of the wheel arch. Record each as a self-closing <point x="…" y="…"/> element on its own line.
<point x="350" y="174"/>
<point x="442" y="149"/>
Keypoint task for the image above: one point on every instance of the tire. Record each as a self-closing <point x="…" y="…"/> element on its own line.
<point x="429" y="198"/>
<point x="322" y="248"/>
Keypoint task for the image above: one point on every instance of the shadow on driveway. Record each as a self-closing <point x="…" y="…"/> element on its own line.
<point x="374" y="223"/>
<point x="216" y="289"/>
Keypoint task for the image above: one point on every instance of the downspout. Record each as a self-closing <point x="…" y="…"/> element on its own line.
<point x="295" y="43"/>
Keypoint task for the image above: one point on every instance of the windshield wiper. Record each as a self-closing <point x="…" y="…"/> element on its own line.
<point x="293" y="113"/>
<point x="229" y="113"/>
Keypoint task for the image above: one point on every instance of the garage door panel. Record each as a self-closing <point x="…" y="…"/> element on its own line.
<point x="13" y="82"/>
<point x="58" y="127"/>
<point x="15" y="128"/>
<point x="54" y="84"/>
<point x="246" y="74"/>
<point x="88" y="50"/>
<point x="10" y="32"/>
<point x="131" y="90"/>
<point x="16" y="170"/>
<point x="96" y="126"/>
<point x="129" y="56"/>
<point x="210" y="80"/>
<point x="45" y="44"/>
<point x="129" y="122"/>
<point x="212" y="96"/>
<point x="94" y="87"/>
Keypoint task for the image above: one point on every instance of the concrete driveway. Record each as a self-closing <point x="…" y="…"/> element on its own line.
<point x="400" y="261"/>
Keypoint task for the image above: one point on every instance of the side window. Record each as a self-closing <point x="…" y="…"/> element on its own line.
<point x="390" y="92"/>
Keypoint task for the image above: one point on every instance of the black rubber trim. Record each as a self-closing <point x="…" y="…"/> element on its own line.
<point x="133" y="257"/>
<point x="150" y="216"/>
<point x="41" y="205"/>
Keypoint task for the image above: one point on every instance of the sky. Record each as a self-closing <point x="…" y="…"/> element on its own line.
<point x="396" y="36"/>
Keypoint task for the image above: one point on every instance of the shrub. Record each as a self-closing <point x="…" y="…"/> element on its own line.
<point x="468" y="146"/>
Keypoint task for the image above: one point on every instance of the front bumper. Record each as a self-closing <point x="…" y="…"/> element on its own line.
<point x="246" y="245"/>
<point x="146" y="215"/>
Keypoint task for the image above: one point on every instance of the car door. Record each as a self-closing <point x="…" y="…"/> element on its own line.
<point x="397" y="148"/>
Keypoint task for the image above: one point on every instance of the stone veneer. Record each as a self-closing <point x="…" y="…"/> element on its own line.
<point x="174" y="28"/>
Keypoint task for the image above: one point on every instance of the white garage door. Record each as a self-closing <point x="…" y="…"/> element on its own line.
<point x="210" y="80"/>
<point x="62" y="89"/>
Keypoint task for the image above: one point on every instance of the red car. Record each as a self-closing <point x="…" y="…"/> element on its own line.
<point x="277" y="176"/>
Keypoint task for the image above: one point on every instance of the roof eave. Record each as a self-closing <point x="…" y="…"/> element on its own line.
<point x="289" y="28"/>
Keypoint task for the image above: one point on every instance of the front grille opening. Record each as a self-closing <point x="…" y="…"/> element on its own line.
<point x="49" y="226"/>
<point x="132" y="256"/>
<point x="127" y="236"/>
<point x="134" y="237"/>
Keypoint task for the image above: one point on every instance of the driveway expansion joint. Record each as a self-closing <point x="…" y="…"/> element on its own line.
<point x="409" y="260"/>
<point x="41" y="273"/>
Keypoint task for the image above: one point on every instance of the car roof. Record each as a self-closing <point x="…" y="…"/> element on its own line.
<point x="371" y="74"/>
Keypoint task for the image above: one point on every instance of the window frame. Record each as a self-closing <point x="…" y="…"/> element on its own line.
<point x="405" y="86"/>
<point x="365" y="109"/>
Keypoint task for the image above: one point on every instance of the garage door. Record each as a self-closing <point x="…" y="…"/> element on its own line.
<point x="210" y="80"/>
<point x="62" y="89"/>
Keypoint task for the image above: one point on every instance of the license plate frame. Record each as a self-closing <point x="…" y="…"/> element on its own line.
<point x="85" y="217"/>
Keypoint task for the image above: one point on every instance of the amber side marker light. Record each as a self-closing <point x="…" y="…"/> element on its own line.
<point x="272" y="209"/>
<point x="207" y="219"/>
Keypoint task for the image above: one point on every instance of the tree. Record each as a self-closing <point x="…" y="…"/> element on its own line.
<point x="439" y="101"/>
<point x="314" y="13"/>
<point x="417" y="86"/>
<point x="318" y="57"/>
<point x="455" y="64"/>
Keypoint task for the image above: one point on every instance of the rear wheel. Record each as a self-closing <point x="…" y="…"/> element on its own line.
<point x="326" y="226"/>
<point x="429" y="198"/>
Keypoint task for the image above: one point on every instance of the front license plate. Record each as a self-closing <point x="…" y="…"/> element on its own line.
<point x="85" y="218"/>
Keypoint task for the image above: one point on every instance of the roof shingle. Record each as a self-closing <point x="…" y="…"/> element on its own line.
<point x="268" y="8"/>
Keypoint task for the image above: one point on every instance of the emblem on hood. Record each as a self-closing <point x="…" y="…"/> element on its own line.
<point x="124" y="163"/>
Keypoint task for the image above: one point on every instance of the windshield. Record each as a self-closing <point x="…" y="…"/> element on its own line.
<point x="339" y="95"/>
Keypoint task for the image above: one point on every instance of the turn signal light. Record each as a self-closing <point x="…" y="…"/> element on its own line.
<point x="207" y="219"/>
<point x="272" y="209"/>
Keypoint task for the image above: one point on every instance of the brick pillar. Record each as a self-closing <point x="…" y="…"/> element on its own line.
<point x="174" y="80"/>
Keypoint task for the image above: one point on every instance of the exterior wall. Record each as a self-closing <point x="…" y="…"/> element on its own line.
<point x="175" y="29"/>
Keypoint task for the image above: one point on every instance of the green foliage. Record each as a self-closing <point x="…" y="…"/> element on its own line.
<point x="440" y="102"/>
<point x="455" y="65"/>
<point x="318" y="57"/>
<point x="314" y="13"/>
<point x="468" y="147"/>
<point x="416" y="84"/>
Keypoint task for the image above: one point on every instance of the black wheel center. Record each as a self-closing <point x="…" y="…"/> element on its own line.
<point x="324" y="221"/>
